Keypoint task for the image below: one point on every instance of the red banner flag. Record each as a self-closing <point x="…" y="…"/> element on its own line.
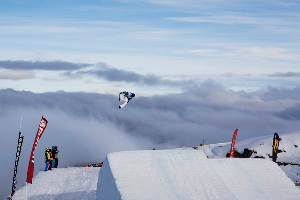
<point x="232" y="144"/>
<point x="40" y="131"/>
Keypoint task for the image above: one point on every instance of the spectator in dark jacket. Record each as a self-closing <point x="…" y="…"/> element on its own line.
<point x="55" y="152"/>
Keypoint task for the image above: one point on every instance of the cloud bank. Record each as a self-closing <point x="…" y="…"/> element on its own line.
<point x="39" y="65"/>
<point x="284" y="75"/>
<point x="103" y="71"/>
<point x="87" y="126"/>
<point x="17" y="70"/>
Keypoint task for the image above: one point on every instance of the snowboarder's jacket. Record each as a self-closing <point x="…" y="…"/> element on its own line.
<point x="51" y="157"/>
<point x="47" y="155"/>
<point x="55" y="151"/>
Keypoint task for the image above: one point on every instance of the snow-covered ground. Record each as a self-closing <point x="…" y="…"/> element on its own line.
<point x="165" y="174"/>
<point x="289" y="146"/>
<point x="62" y="184"/>
<point x="185" y="173"/>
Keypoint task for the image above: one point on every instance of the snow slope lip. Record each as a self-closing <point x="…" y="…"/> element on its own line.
<point x="185" y="174"/>
<point x="165" y="174"/>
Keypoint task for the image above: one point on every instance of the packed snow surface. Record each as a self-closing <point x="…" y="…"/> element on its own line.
<point x="201" y="172"/>
<point x="185" y="174"/>
<point x="74" y="183"/>
<point x="289" y="151"/>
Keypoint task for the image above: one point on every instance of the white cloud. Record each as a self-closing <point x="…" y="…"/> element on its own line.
<point x="234" y="19"/>
<point x="16" y="74"/>
<point x="252" y="53"/>
<point x="274" y="53"/>
<point x="38" y="29"/>
<point x="112" y="91"/>
<point x="204" y="52"/>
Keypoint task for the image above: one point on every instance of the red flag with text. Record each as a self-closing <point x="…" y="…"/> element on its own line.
<point x="232" y="144"/>
<point x="40" y="131"/>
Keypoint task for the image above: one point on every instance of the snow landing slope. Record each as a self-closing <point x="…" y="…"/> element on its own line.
<point x="74" y="183"/>
<point x="185" y="174"/>
<point x="288" y="156"/>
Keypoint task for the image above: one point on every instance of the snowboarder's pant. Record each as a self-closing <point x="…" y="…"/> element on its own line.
<point x="53" y="163"/>
<point x="47" y="165"/>
<point x="56" y="162"/>
<point x="126" y="101"/>
<point x="50" y="165"/>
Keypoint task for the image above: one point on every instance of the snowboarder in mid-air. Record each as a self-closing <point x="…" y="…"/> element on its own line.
<point x="126" y="97"/>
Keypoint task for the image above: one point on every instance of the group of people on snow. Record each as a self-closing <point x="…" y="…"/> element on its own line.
<point x="51" y="158"/>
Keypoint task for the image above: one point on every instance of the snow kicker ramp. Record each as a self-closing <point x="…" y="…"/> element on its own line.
<point x="179" y="174"/>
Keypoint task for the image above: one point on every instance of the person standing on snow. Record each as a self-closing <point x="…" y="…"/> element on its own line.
<point x="55" y="152"/>
<point x="51" y="159"/>
<point x="47" y="159"/>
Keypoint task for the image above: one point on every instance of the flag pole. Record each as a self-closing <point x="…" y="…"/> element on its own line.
<point x="21" y="124"/>
<point x="20" y="131"/>
<point x="26" y="190"/>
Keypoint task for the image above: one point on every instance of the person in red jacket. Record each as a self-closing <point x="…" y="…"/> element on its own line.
<point x="51" y="159"/>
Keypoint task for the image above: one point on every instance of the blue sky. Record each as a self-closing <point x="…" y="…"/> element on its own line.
<point x="238" y="44"/>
